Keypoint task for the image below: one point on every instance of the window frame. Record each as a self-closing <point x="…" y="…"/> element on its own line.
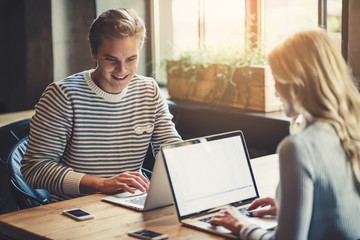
<point x="158" y="15"/>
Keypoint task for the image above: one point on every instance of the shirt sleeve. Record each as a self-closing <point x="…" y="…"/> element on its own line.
<point x="254" y="232"/>
<point x="50" y="129"/>
<point x="164" y="128"/>
<point x="296" y="195"/>
<point x="296" y="189"/>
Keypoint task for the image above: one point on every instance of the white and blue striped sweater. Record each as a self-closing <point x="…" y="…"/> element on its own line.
<point x="80" y="129"/>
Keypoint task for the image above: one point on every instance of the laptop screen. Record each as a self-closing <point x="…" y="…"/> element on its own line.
<point x="209" y="172"/>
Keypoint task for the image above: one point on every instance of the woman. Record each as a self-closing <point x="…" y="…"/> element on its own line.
<point x="318" y="196"/>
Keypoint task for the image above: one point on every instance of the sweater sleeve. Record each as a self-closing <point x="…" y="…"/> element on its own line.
<point x="296" y="195"/>
<point x="50" y="129"/>
<point x="254" y="232"/>
<point x="164" y="128"/>
<point x="296" y="184"/>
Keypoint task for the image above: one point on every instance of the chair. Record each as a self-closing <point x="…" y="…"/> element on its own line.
<point x="13" y="138"/>
<point x="7" y="199"/>
<point x="29" y="197"/>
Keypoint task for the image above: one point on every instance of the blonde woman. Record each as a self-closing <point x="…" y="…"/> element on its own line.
<point x="318" y="196"/>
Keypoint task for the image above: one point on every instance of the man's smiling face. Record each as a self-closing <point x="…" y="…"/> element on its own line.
<point x="117" y="61"/>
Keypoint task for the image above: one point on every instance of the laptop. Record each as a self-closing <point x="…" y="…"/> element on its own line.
<point x="158" y="194"/>
<point x="209" y="173"/>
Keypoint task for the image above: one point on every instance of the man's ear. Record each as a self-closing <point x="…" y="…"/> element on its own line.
<point x="93" y="55"/>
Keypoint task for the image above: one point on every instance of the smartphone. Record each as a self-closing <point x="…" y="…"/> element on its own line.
<point x="78" y="214"/>
<point x="147" y="234"/>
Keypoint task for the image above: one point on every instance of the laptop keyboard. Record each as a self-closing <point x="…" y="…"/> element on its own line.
<point x="245" y="212"/>
<point x="242" y="210"/>
<point x="138" y="201"/>
<point x="205" y="219"/>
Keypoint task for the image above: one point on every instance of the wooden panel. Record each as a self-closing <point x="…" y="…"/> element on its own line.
<point x="249" y="88"/>
<point x="353" y="54"/>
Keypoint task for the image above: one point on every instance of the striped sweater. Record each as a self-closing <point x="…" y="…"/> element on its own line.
<point x="317" y="196"/>
<point x="79" y="129"/>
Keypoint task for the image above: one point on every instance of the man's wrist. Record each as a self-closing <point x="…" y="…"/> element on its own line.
<point x="91" y="184"/>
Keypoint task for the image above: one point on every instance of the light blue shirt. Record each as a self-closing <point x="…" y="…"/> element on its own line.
<point x="317" y="195"/>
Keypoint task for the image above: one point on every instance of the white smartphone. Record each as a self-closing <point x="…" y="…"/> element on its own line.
<point x="78" y="214"/>
<point x="147" y="234"/>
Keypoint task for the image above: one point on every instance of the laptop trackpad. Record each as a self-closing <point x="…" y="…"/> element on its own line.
<point x="128" y="194"/>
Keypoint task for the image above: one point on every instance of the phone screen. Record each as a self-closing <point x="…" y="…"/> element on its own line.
<point x="78" y="213"/>
<point x="147" y="233"/>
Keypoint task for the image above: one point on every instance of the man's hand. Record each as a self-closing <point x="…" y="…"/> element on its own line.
<point x="127" y="181"/>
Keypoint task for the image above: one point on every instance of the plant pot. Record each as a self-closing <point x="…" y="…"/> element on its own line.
<point x="251" y="87"/>
<point x="254" y="90"/>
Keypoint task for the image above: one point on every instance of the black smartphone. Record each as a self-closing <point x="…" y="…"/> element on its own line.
<point x="78" y="214"/>
<point x="147" y="234"/>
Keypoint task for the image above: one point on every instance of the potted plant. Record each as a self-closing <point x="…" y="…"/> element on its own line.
<point x="236" y="77"/>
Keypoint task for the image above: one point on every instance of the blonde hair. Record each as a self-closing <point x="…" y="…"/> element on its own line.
<point x="116" y="23"/>
<point x="321" y="86"/>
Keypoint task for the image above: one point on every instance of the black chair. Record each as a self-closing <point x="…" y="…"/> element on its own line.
<point x="29" y="197"/>
<point x="7" y="198"/>
<point x="13" y="138"/>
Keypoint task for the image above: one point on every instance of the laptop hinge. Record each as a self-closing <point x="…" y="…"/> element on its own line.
<point x="212" y="210"/>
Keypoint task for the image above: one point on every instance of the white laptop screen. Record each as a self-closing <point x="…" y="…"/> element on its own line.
<point x="206" y="174"/>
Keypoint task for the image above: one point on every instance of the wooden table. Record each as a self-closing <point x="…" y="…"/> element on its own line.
<point x="113" y="222"/>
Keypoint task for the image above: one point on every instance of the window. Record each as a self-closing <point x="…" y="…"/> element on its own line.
<point x="207" y="23"/>
<point x="220" y="25"/>
<point x="283" y="17"/>
<point x="334" y="10"/>
<point x="185" y="24"/>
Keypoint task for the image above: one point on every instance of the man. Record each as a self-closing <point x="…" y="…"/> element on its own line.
<point x="91" y="131"/>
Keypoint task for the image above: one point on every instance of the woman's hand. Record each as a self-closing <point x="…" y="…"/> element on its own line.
<point x="233" y="220"/>
<point x="229" y="218"/>
<point x="127" y="181"/>
<point x="262" y="202"/>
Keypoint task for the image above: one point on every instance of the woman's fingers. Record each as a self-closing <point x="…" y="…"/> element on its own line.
<point x="259" y="213"/>
<point x="261" y="202"/>
<point x="229" y="218"/>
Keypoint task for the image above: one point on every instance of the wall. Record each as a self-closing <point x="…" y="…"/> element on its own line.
<point x="71" y="21"/>
<point x="26" y="52"/>
<point x="44" y="41"/>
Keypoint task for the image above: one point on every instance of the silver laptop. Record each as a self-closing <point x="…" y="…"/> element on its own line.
<point x="158" y="195"/>
<point x="208" y="173"/>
